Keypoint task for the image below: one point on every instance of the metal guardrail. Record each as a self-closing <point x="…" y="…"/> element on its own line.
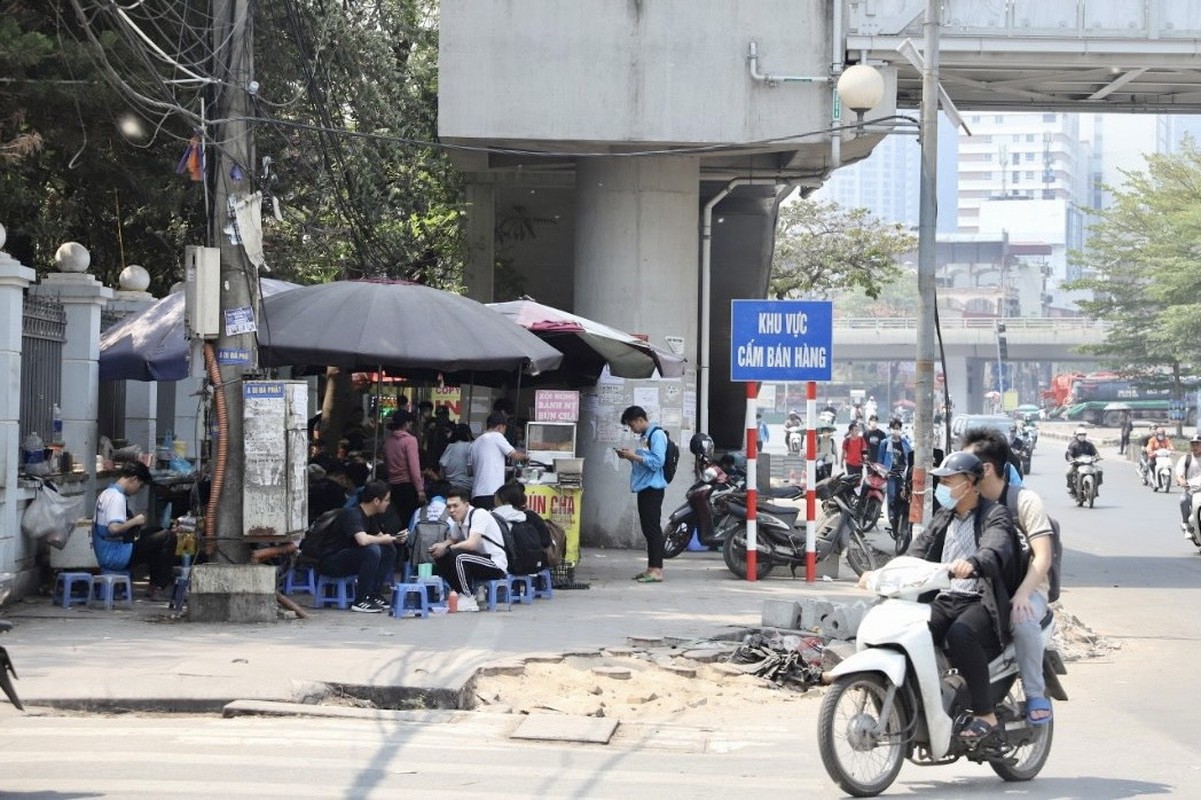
<point x="973" y="323"/>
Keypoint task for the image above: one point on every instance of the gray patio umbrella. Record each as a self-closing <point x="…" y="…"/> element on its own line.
<point x="150" y="345"/>
<point x="414" y="330"/>
<point x="588" y="345"/>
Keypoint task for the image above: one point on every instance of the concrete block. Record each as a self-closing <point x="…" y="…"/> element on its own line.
<point x="828" y="566"/>
<point x="812" y="611"/>
<point x="780" y="614"/>
<point x="232" y="593"/>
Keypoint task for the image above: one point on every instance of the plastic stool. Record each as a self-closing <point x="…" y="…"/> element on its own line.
<point x="65" y="585"/>
<point x="544" y="585"/>
<point x="301" y="579"/>
<point x="495" y="587"/>
<point x="402" y="605"/>
<point x="342" y="596"/>
<point x="521" y="589"/>
<point x="441" y="589"/>
<point x="104" y="589"/>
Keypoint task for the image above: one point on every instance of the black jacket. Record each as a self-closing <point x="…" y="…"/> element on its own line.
<point x="997" y="557"/>
<point x="1078" y="448"/>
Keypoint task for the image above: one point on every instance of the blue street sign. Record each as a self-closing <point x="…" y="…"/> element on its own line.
<point x="781" y="340"/>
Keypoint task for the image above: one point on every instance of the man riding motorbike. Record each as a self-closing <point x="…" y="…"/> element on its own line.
<point x="1079" y="446"/>
<point x="1187" y="468"/>
<point x="794" y="432"/>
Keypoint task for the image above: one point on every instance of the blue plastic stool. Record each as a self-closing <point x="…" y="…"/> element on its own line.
<point x="301" y="579"/>
<point x="521" y="589"/>
<point x="105" y="586"/>
<point x="410" y="599"/>
<point x="342" y="596"/>
<point x="441" y="589"/>
<point x="65" y="585"/>
<point x="495" y="588"/>
<point x="544" y="585"/>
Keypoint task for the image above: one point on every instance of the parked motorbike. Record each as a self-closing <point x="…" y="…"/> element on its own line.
<point x="704" y="512"/>
<point x="780" y="539"/>
<point x="1194" y="517"/>
<point x="873" y="489"/>
<point x="899" y="526"/>
<point x="1161" y="469"/>
<point x="6" y="667"/>
<point x="898" y="698"/>
<point x="1086" y="482"/>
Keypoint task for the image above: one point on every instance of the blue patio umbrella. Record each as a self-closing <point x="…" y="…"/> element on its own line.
<point x="150" y="345"/>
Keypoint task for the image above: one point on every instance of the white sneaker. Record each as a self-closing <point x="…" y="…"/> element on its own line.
<point x="468" y="603"/>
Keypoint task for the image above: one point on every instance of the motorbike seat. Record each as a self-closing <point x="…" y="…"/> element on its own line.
<point x="779" y="511"/>
<point x="785" y="492"/>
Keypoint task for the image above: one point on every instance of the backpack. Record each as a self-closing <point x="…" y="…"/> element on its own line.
<point x="524" y="547"/>
<point x="319" y="535"/>
<point x="1011" y="501"/>
<point x="426" y="532"/>
<point x="556" y="551"/>
<point x="672" y="459"/>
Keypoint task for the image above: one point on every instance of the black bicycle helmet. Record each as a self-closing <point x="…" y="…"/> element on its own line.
<point x="960" y="464"/>
<point x="701" y="444"/>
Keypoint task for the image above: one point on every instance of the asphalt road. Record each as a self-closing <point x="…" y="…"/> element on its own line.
<point x="1127" y="731"/>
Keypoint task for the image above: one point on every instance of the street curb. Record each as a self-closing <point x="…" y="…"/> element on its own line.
<point x="270" y="708"/>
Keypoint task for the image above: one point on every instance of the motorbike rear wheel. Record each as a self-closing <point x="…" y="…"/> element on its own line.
<point x="869" y="513"/>
<point x="676" y="538"/>
<point x="861" y="752"/>
<point x="1030" y="757"/>
<point x="902" y="532"/>
<point x="733" y="552"/>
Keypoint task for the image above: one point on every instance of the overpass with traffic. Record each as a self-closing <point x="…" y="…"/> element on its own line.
<point x="968" y="343"/>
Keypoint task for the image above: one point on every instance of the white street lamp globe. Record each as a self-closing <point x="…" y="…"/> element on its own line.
<point x="134" y="279"/>
<point x="72" y="257"/>
<point x="3" y="236"/>
<point x="861" y="87"/>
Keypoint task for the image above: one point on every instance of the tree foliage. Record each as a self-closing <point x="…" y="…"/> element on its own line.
<point x="345" y="110"/>
<point x="822" y="248"/>
<point x="1142" y="271"/>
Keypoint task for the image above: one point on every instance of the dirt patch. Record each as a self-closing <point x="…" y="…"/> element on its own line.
<point x="641" y="687"/>
<point x="1076" y="641"/>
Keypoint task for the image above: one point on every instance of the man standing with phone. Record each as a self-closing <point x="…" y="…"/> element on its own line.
<point x="648" y="483"/>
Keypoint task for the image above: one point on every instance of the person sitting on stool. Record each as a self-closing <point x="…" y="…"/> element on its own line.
<point x="118" y="539"/>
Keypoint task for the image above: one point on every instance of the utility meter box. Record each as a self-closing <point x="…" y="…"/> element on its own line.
<point x="202" y="292"/>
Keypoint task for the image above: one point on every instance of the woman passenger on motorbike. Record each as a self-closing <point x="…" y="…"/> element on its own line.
<point x="976" y="539"/>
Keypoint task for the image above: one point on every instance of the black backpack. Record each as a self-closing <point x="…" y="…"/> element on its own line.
<point x="673" y="453"/>
<point x="1011" y="501"/>
<point x="317" y="538"/>
<point x="524" y="546"/>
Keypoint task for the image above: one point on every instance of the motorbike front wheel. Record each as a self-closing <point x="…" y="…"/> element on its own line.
<point x="902" y="532"/>
<point x="1028" y="758"/>
<point x="676" y="538"/>
<point x="733" y="551"/>
<point x="859" y="554"/>
<point x="861" y="752"/>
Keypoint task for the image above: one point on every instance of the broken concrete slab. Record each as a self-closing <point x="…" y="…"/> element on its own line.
<point x="566" y="728"/>
<point x="514" y="668"/>
<point x="616" y="673"/>
<point x="682" y="671"/>
<point x="645" y="641"/>
<point x="780" y="614"/>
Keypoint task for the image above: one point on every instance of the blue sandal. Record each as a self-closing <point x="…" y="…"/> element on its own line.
<point x="1038" y="704"/>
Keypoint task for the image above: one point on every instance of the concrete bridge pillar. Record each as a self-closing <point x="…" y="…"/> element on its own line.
<point x="636" y="257"/>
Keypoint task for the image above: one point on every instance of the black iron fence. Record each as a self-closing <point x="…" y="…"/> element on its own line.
<point x="43" y="332"/>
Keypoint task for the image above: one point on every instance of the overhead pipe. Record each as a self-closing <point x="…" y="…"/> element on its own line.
<point x="707" y="279"/>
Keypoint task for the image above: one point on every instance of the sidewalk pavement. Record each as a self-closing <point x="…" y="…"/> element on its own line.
<point x="145" y="659"/>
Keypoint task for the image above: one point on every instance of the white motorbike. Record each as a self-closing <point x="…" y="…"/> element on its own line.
<point x="1194" y="516"/>
<point x="898" y="697"/>
<point x="794" y="440"/>
<point x="1086" y="480"/>
<point x="1161" y="468"/>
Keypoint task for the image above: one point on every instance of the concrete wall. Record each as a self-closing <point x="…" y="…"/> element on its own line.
<point x="620" y="71"/>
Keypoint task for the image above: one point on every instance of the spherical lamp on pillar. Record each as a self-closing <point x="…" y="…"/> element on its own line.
<point x="3" y="236"/>
<point x="134" y="279"/>
<point x="72" y="257"/>
<point x="861" y="88"/>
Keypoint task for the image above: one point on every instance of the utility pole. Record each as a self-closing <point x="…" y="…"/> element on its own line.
<point x="233" y="48"/>
<point x="923" y="384"/>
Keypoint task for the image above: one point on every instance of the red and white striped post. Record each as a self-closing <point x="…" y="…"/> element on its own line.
<point x="752" y="477"/>
<point x="811" y="482"/>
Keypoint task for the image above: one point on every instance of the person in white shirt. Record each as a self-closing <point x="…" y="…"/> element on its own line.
<point x="1188" y="468"/>
<point x="488" y="454"/>
<point x="474" y="550"/>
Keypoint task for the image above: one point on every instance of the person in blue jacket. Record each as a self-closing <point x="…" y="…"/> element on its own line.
<point x="895" y="454"/>
<point x="648" y="483"/>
